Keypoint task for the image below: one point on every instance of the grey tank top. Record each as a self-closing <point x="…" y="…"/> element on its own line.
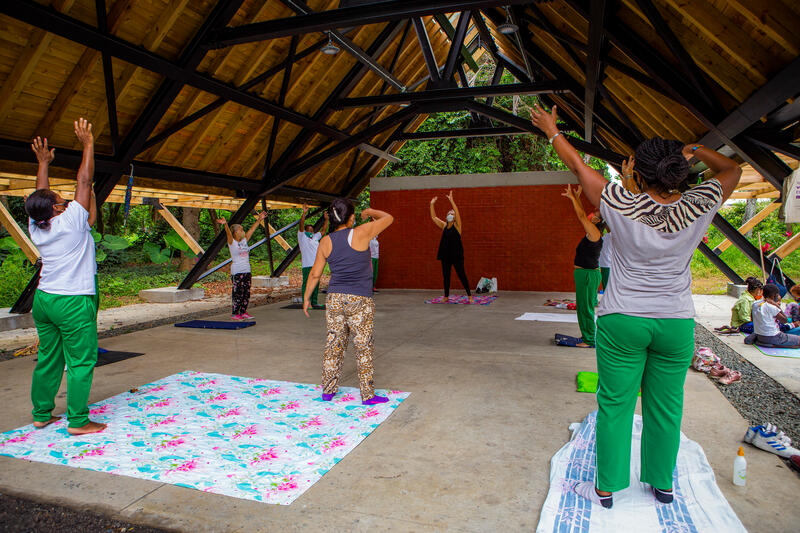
<point x="351" y="270"/>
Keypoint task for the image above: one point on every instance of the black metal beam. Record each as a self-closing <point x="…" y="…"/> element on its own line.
<point x="497" y="76"/>
<point x="349" y="16"/>
<point x="427" y="50"/>
<point x="518" y="122"/>
<point x="460" y="93"/>
<point x="108" y="79"/>
<point x="294" y="252"/>
<point x="450" y="31"/>
<point x="720" y="264"/>
<point x="593" y="67"/>
<point x="744" y="245"/>
<point x="287" y="76"/>
<point x="453" y="134"/>
<point x="774" y="143"/>
<point x="456" y="44"/>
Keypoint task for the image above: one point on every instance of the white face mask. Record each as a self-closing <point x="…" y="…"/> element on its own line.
<point x="450" y="217"/>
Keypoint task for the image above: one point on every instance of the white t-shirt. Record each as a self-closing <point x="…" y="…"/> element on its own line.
<point x="764" y="318"/>
<point x="68" y="253"/>
<point x="374" y="248"/>
<point x="240" y="257"/>
<point x="605" y="252"/>
<point x="308" y="248"/>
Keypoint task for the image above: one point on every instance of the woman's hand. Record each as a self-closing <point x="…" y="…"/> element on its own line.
<point x="83" y="131"/>
<point x="450" y="196"/>
<point x="222" y="221"/>
<point x="689" y="150"/>
<point x="305" y="208"/>
<point x="572" y="195"/>
<point x="545" y="121"/>
<point x="262" y="215"/>
<point x="43" y="153"/>
<point x="433" y="200"/>
<point x="306" y="304"/>
<point x="627" y="168"/>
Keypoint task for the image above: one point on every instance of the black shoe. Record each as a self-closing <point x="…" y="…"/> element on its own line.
<point x="663" y="496"/>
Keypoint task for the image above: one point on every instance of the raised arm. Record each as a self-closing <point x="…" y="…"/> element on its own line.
<point x="227" y="229"/>
<point x="323" y="251"/>
<point x="457" y="221"/>
<point x="326" y="223"/>
<point x="436" y="220"/>
<point x="302" y="226"/>
<point x="591" y="180"/>
<point x="261" y="216"/>
<point x="44" y="156"/>
<point x="366" y="232"/>
<point x="592" y="233"/>
<point x="83" y="190"/>
<point x="92" y="210"/>
<point x="725" y="169"/>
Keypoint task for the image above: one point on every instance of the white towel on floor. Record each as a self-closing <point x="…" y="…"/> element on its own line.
<point x="549" y="317"/>
<point x="699" y="505"/>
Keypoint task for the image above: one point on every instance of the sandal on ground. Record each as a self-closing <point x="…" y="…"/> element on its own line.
<point x="717" y="371"/>
<point x="732" y="376"/>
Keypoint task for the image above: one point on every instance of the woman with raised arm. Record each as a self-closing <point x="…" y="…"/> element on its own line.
<point x="64" y="307"/>
<point x="241" y="276"/>
<point x="349" y="306"/>
<point x="645" y="336"/>
<point x="451" y="249"/>
<point x="587" y="268"/>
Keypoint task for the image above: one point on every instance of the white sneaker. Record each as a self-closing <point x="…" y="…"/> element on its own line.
<point x="769" y="439"/>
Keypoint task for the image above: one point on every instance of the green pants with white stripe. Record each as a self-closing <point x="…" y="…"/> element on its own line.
<point x="587" y="282"/>
<point x="653" y="354"/>
<point x="67" y="328"/>
<point x="315" y="294"/>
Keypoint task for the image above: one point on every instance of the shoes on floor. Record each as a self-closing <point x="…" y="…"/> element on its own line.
<point x="768" y="438"/>
<point x="246" y="316"/>
<point x="664" y="496"/>
<point x="237" y="317"/>
<point x="586" y="489"/>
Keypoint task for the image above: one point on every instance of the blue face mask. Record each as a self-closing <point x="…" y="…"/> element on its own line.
<point x="309" y="234"/>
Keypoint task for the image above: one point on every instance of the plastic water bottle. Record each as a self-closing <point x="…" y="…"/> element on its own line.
<point x="740" y="469"/>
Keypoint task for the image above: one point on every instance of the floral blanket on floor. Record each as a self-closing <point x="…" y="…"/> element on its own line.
<point x="463" y="300"/>
<point x="249" y="438"/>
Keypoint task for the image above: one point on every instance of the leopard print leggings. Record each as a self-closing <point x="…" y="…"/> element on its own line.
<point x="345" y="313"/>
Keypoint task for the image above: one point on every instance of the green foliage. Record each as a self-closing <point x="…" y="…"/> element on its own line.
<point x="108" y="243"/>
<point x="175" y="242"/>
<point x="14" y="276"/>
<point x="157" y="254"/>
<point x="14" y="254"/>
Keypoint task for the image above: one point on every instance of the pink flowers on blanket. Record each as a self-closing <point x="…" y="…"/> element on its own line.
<point x="248" y="431"/>
<point x="268" y="455"/>
<point x="312" y="422"/>
<point x="271" y="392"/>
<point x="188" y="466"/>
<point x="13" y="440"/>
<point x="289" y="406"/>
<point x="99" y="410"/>
<point x="230" y="412"/>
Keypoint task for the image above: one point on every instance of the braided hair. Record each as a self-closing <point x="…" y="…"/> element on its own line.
<point x="339" y="212"/>
<point x="753" y="284"/>
<point x="39" y="206"/>
<point x="661" y="164"/>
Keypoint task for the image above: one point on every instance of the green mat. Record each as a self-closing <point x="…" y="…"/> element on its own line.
<point x="587" y="382"/>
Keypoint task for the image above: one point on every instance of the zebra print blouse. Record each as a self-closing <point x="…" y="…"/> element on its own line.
<point x="668" y="218"/>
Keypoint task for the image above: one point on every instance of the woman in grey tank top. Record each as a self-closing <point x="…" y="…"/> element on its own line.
<point x="645" y="329"/>
<point x="349" y="306"/>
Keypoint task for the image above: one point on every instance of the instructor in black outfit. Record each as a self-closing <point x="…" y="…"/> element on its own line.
<point x="451" y="250"/>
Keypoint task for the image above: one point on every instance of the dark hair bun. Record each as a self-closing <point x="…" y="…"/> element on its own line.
<point x="672" y="170"/>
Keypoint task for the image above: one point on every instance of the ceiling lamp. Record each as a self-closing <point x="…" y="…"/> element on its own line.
<point x="507" y="27"/>
<point x="330" y="48"/>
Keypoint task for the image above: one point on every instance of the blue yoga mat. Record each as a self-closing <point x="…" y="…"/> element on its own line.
<point x="214" y="324"/>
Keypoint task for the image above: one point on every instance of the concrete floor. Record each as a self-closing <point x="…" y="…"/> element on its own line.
<point x="468" y="451"/>
<point x="715" y="311"/>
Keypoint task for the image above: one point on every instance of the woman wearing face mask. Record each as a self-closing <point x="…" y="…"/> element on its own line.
<point x="350" y="306"/>
<point x="451" y="249"/>
<point x="240" y="266"/>
<point x="64" y="308"/>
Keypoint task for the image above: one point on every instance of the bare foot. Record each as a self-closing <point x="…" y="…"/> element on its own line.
<point x="583" y="345"/>
<point x="91" y="427"/>
<point x="40" y="425"/>
<point x="471" y="300"/>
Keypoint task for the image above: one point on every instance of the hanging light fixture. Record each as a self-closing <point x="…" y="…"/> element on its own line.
<point x="507" y="27"/>
<point x="330" y="48"/>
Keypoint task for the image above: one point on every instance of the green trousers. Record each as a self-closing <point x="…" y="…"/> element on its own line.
<point x="315" y="294"/>
<point x="67" y="328"/>
<point x="604" y="273"/>
<point x="374" y="271"/>
<point x="653" y="354"/>
<point x="587" y="283"/>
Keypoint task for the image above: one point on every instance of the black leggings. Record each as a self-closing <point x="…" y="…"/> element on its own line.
<point x="458" y="264"/>
<point x="240" y="293"/>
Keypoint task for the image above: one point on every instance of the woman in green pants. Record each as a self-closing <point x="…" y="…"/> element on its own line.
<point x="645" y="335"/>
<point x="64" y="307"/>
<point x="587" y="268"/>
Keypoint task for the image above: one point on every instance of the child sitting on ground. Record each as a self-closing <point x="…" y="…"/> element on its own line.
<point x="741" y="313"/>
<point x="766" y="315"/>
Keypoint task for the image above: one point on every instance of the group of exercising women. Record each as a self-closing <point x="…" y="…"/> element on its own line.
<point x="644" y="336"/>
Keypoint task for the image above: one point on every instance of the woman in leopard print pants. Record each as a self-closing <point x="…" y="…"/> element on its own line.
<point x="349" y="306"/>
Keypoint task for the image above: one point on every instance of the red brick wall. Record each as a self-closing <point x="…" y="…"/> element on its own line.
<point x="524" y="236"/>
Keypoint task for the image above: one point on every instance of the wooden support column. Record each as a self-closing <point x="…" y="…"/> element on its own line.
<point x="19" y="236"/>
<point x="179" y="229"/>
<point x="788" y="247"/>
<point x="747" y="226"/>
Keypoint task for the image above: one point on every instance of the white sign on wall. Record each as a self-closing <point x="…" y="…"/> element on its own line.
<point x="792" y="200"/>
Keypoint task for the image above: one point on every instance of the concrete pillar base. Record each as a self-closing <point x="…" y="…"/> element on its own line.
<point x="10" y="321"/>
<point x="736" y="290"/>
<point x="171" y="295"/>
<point x="270" y="282"/>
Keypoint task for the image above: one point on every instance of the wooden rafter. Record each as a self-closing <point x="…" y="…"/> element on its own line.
<point x="750" y="224"/>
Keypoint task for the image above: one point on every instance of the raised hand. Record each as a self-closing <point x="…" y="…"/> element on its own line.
<point x="689" y="149"/>
<point x="305" y="208"/>
<point x="433" y="200"/>
<point x="43" y="153"/>
<point x="450" y="196"/>
<point x="325" y="215"/>
<point x="262" y="215"/>
<point x="545" y="121"/>
<point x="83" y="131"/>
<point x="222" y="221"/>
<point x="567" y="192"/>
<point x="627" y="167"/>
